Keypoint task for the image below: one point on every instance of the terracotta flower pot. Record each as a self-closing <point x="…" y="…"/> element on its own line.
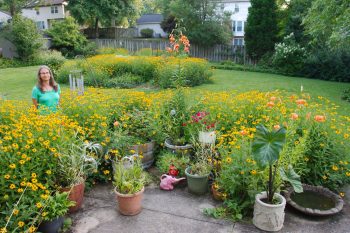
<point x="76" y="193"/>
<point x="217" y="195"/>
<point x="130" y="204"/>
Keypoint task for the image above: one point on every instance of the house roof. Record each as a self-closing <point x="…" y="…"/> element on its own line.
<point x="150" y="18"/>
<point x="35" y="3"/>
<point x="5" y="12"/>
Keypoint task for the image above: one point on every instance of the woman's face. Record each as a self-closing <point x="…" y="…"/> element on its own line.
<point x="44" y="74"/>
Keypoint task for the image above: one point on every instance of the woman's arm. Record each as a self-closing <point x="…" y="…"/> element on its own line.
<point x="35" y="102"/>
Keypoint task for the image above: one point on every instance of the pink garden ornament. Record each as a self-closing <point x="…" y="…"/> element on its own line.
<point x="167" y="182"/>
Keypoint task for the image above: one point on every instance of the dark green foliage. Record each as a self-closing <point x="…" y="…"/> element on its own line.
<point x="205" y="24"/>
<point x="166" y="159"/>
<point x="261" y="29"/>
<point x="168" y="24"/>
<point x="67" y="38"/>
<point x="22" y="32"/>
<point x="346" y="95"/>
<point x="328" y="65"/>
<point x="147" y="33"/>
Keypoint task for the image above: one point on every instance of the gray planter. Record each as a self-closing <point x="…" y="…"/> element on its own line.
<point x="269" y="217"/>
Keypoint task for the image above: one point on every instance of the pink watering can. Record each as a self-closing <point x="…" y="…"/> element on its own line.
<point x="167" y="182"/>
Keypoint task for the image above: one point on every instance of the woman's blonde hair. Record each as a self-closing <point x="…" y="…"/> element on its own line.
<point x="52" y="81"/>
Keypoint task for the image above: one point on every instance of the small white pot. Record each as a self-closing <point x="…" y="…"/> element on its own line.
<point x="207" y="137"/>
<point x="269" y="217"/>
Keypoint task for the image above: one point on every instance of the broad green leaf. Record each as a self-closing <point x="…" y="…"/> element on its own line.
<point x="267" y="145"/>
<point x="292" y="177"/>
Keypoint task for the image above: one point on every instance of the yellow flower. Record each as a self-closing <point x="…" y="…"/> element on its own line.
<point x="33" y="175"/>
<point x="242" y="172"/>
<point x="34" y="181"/>
<point x="20" y="224"/>
<point x="347" y="173"/>
<point x="12" y="186"/>
<point x="253" y="172"/>
<point x="48" y="172"/>
<point x="20" y="190"/>
<point x="106" y="172"/>
<point x="7" y="176"/>
<point x="228" y="160"/>
<point x="32" y="229"/>
<point x="342" y="194"/>
<point x="15" y="211"/>
<point x="12" y="166"/>
<point x="44" y="214"/>
<point x="324" y="177"/>
<point x="335" y="168"/>
<point x="39" y="205"/>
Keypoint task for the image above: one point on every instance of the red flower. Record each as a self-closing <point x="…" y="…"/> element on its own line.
<point x="173" y="171"/>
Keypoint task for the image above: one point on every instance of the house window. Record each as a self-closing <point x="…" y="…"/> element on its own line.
<point x="237" y="26"/>
<point x="54" y="10"/>
<point x="238" y="41"/>
<point x="236" y="8"/>
<point x="40" y="25"/>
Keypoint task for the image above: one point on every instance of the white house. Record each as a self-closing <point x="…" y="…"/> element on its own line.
<point x="151" y="21"/>
<point x="44" y="12"/>
<point x="4" y="17"/>
<point x="239" y="10"/>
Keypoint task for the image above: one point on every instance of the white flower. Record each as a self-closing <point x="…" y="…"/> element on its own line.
<point x="173" y="112"/>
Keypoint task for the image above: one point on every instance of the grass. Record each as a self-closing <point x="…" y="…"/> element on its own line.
<point x="17" y="83"/>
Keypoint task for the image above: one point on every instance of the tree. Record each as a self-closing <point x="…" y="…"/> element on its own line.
<point x="13" y="6"/>
<point x="261" y="29"/>
<point x="104" y="11"/>
<point x="67" y="38"/>
<point x="22" y="32"/>
<point x="205" y="24"/>
<point x="328" y="23"/>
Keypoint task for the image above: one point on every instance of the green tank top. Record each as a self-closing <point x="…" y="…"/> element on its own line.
<point x="47" y="101"/>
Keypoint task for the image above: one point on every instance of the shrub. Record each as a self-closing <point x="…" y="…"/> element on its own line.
<point x="346" y="95"/>
<point x="52" y="59"/>
<point x="144" y="52"/>
<point x="147" y="33"/>
<point x="328" y="65"/>
<point x="25" y="36"/>
<point x="289" y="56"/>
<point x="118" y="51"/>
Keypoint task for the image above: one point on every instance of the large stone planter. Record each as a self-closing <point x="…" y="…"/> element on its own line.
<point x="147" y="151"/>
<point x="269" y="217"/>
<point x="129" y="204"/>
<point x="315" y="200"/>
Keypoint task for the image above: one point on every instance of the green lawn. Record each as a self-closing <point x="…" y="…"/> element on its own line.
<point x="17" y="83"/>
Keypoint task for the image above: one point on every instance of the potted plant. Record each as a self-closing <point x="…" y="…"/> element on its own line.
<point x="135" y="125"/>
<point x="198" y="173"/>
<point x="205" y="127"/>
<point x="129" y="181"/>
<point x="75" y="163"/>
<point x="269" y="205"/>
<point x="172" y="164"/>
<point x="53" y="213"/>
<point x="173" y="122"/>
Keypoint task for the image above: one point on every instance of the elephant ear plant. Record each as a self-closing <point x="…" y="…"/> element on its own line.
<point x="266" y="149"/>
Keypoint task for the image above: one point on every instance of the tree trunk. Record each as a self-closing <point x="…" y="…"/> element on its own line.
<point x="96" y="28"/>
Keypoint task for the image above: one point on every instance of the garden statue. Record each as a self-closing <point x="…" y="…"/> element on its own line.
<point x="167" y="182"/>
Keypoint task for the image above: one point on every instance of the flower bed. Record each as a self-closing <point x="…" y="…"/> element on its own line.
<point x="113" y="71"/>
<point x="317" y="142"/>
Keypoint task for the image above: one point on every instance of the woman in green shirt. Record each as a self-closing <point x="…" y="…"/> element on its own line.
<point x="46" y="93"/>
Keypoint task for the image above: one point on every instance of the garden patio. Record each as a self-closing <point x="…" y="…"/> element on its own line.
<point x="230" y="102"/>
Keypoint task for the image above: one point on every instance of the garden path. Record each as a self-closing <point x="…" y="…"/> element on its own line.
<point x="180" y="211"/>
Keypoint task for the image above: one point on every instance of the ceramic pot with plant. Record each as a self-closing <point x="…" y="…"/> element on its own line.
<point x="198" y="173"/>
<point x="53" y="213"/>
<point x="129" y="181"/>
<point x="173" y="121"/>
<point x="75" y="164"/>
<point x="269" y="205"/>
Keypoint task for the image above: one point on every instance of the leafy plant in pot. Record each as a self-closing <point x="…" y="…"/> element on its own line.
<point x="198" y="173"/>
<point x="173" y="122"/>
<point x="269" y="205"/>
<point x="129" y="181"/>
<point x="76" y="161"/>
<point x="53" y="213"/>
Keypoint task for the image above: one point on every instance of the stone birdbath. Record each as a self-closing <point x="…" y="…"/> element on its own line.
<point x="315" y="200"/>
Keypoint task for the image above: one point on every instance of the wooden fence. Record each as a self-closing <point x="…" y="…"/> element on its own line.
<point x="111" y="33"/>
<point x="216" y="53"/>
